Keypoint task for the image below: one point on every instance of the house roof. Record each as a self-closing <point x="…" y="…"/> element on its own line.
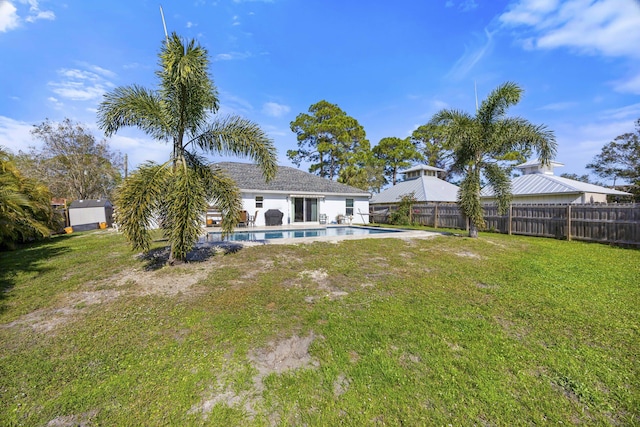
<point x="536" y="184"/>
<point x="288" y="180"/>
<point x="100" y="203"/>
<point x="424" y="188"/>
<point x="422" y="168"/>
<point x="537" y="162"/>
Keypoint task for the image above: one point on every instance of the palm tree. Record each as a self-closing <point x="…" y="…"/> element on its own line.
<point x="177" y="192"/>
<point x="25" y="205"/>
<point x="479" y="143"/>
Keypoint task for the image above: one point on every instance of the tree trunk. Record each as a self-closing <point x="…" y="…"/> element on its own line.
<point x="473" y="230"/>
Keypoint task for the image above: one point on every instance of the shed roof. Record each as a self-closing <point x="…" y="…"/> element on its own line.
<point x="536" y="184"/>
<point x="88" y="203"/>
<point x="424" y="188"/>
<point x="287" y="180"/>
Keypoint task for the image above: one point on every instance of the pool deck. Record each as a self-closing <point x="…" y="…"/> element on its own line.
<point x="394" y="234"/>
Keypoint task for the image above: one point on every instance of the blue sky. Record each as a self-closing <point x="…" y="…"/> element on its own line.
<point x="390" y="65"/>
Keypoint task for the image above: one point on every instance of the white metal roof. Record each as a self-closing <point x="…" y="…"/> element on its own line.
<point x="537" y="162"/>
<point x="422" y="168"/>
<point x="535" y="184"/>
<point x="424" y="188"/>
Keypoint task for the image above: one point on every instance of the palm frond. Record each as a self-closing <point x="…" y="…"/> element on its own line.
<point x="495" y="106"/>
<point x="501" y="184"/>
<point x="188" y="90"/>
<point x="237" y="136"/>
<point x="133" y="106"/>
<point x="227" y="198"/>
<point x="138" y="201"/>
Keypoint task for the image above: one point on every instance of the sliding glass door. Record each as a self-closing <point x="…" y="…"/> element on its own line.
<point x="305" y="209"/>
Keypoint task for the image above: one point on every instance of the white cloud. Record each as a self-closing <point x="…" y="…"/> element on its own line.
<point x="464" y="5"/>
<point x="231" y="56"/>
<point x="274" y="109"/>
<point x="629" y="112"/>
<point x="631" y="85"/>
<point x="606" y="27"/>
<point x="41" y="14"/>
<point x="471" y="57"/>
<point x="8" y="17"/>
<point x="80" y="84"/>
<point x="190" y="24"/>
<point x="559" y="106"/>
<point x="15" y="135"/>
<point x="55" y="102"/>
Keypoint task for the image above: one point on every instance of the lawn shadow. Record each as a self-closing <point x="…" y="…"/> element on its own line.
<point x="203" y="251"/>
<point x="26" y="258"/>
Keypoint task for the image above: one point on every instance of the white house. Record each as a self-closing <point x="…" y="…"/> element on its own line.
<point x="88" y="214"/>
<point x="425" y="185"/>
<point x="538" y="184"/>
<point x="301" y="197"/>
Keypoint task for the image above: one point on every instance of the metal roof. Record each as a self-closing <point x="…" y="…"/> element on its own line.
<point x="421" y="168"/>
<point x="287" y="180"/>
<point x="535" y="184"/>
<point x="424" y="188"/>
<point x="537" y="162"/>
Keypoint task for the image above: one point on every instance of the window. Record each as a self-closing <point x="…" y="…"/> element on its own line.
<point x="259" y="200"/>
<point x="349" y="209"/>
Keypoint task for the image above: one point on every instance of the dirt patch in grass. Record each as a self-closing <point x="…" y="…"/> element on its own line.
<point x="131" y="283"/>
<point x="276" y="358"/>
<point x="82" y="420"/>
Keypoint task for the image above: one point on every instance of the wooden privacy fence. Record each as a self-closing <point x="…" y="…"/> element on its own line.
<point x="606" y="223"/>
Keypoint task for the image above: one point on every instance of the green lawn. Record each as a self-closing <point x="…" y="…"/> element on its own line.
<point x="502" y="330"/>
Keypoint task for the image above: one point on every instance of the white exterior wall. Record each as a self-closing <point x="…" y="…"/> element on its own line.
<point x="330" y="205"/>
<point x="334" y="206"/>
<point x="81" y="216"/>
<point x="270" y="201"/>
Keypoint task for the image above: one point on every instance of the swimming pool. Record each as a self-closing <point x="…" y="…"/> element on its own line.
<point x="249" y="236"/>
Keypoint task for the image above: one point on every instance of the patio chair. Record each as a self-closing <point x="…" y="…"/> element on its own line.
<point x="243" y="219"/>
<point x="252" y="219"/>
<point x="322" y="218"/>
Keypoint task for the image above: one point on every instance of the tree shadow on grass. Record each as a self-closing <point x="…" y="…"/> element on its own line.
<point x="26" y="258"/>
<point x="157" y="258"/>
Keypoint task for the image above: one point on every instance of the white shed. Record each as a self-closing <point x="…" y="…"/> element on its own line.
<point x="88" y="214"/>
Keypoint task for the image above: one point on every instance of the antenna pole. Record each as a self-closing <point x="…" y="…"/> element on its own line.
<point x="475" y="89"/>
<point x="164" y="25"/>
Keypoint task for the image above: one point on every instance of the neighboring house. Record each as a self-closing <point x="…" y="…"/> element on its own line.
<point x="88" y="214"/>
<point x="425" y="185"/>
<point x="538" y="184"/>
<point x="301" y="197"/>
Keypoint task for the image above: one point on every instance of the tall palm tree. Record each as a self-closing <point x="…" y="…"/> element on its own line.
<point x="177" y="192"/>
<point x="479" y="143"/>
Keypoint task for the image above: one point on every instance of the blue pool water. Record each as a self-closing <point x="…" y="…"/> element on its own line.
<point x="248" y="236"/>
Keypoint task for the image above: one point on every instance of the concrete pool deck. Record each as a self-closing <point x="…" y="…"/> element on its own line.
<point x="394" y="233"/>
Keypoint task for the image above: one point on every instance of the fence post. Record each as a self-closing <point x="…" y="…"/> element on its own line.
<point x="510" y="216"/>
<point x="569" y="222"/>
<point x="435" y="216"/>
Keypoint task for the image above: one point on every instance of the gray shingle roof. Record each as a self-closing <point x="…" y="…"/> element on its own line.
<point x="287" y="180"/>
<point x="425" y="189"/>
<point x="100" y="203"/>
<point x="550" y="184"/>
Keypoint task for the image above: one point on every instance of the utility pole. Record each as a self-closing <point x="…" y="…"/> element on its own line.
<point x="126" y="165"/>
